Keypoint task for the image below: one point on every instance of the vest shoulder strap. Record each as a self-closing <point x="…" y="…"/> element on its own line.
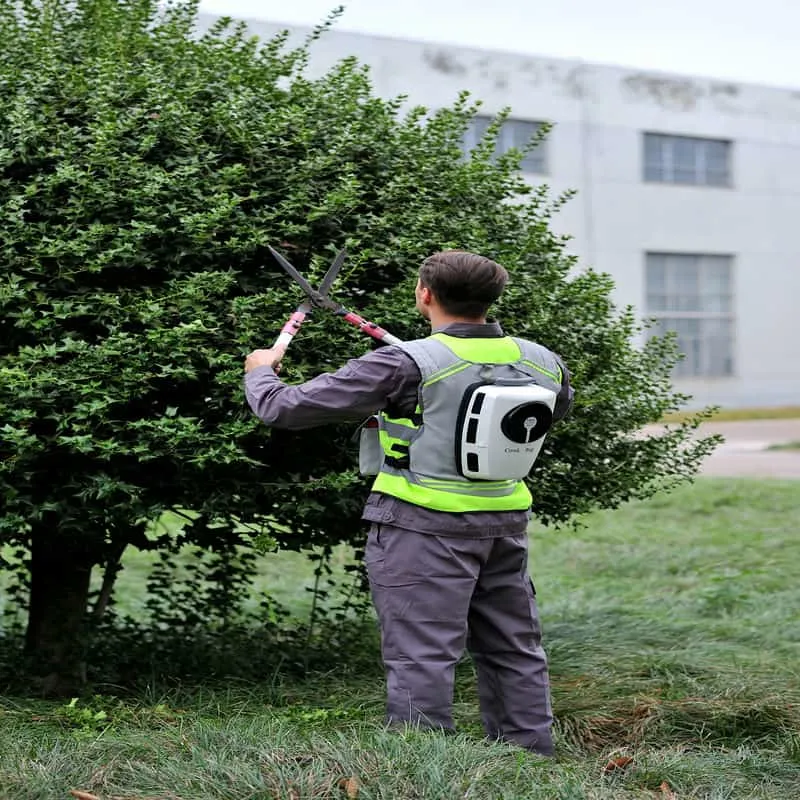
<point x="430" y="355"/>
<point x="540" y="357"/>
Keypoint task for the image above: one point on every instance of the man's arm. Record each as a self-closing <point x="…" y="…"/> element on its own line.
<point x="566" y="394"/>
<point x="363" y="386"/>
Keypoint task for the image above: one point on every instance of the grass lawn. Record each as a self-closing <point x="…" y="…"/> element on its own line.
<point x="737" y="414"/>
<point x="674" y="638"/>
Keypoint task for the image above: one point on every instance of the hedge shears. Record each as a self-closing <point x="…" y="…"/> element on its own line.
<point x="319" y="298"/>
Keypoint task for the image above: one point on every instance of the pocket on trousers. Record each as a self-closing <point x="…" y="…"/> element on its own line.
<point x="390" y="560"/>
<point x="373" y="550"/>
<point x="536" y="624"/>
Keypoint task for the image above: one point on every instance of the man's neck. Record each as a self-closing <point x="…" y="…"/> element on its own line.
<point x="439" y="321"/>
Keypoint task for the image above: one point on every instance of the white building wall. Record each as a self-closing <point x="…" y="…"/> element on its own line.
<point x="600" y="113"/>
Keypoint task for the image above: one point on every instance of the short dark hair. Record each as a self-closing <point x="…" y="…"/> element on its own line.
<point x="465" y="284"/>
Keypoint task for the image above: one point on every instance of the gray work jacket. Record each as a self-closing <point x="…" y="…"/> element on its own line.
<point x="384" y="379"/>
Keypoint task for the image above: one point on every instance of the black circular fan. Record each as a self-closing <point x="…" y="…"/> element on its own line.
<point x="527" y="423"/>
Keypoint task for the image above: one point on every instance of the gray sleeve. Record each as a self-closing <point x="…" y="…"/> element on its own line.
<point x="566" y="394"/>
<point x="363" y="386"/>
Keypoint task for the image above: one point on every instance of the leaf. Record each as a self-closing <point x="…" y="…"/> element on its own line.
<point x="621" y="762"/>
<point x="350" y="786"/>
<point x="81" y="795"/>
<point x="666" y="791"/>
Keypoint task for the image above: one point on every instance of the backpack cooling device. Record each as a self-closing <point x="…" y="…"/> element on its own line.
<point x="501" y="430"/>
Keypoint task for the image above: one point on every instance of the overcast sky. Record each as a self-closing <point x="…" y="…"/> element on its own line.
<point x="756" y="41"/>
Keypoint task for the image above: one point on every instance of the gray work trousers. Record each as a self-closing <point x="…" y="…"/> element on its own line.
<point x="436" y="596"/>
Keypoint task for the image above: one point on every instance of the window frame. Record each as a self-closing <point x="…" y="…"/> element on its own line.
<point x="688" y="367"/>
<point x="667" y="168"/>
<point x="534" y="162"/>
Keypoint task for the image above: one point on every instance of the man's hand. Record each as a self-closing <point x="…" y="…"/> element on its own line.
<point x="265" y="358"/>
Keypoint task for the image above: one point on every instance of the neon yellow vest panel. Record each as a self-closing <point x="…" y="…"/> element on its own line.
<point x="429" y="461"/>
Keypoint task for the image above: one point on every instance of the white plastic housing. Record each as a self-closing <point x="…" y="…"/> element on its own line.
<point x="503" y="429"/>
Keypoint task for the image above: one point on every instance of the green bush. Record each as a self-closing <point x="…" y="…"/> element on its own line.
<point x="144" y="170"/>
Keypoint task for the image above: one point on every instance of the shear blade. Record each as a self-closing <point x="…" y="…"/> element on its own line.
<point x="293" y="273"/>
<point x="318" y="297"/>
<point x="333" y="271"/>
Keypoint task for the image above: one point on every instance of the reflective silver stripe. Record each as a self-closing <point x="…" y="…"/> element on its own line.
<point x="446" y="373"/>
<point x="434" y="482"/>
<point x="540" y="368"/>
<point x="474" y="488"/>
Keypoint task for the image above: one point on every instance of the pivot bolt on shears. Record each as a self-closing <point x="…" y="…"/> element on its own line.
<point x="319" y="298"/>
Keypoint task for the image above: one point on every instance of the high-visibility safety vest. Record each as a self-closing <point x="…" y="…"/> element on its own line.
<point x="440" y="457"/>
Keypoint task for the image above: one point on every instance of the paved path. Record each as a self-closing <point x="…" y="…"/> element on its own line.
<point x="745" y="452"/>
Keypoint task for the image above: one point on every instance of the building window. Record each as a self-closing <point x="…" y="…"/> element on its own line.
<point x="513" y="133"/>
<point x="693" y="296"/>
<point x="687" y="160"/>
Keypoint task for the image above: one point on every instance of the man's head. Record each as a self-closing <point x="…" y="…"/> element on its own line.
<point x="459" y="284"/>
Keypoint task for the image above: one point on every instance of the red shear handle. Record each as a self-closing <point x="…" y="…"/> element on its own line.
<point x="291" y="327"/>
<point x="370" y="328"/>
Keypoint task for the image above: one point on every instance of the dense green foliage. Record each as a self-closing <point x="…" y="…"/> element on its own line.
<point x="143" y="171"/>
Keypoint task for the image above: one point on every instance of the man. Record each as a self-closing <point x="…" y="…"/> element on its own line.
<point x="446" y="556"/>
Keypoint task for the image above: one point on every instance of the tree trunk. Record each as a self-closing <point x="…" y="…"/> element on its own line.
<point x="55" y="640"/>
<point x="113" y="568"/>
